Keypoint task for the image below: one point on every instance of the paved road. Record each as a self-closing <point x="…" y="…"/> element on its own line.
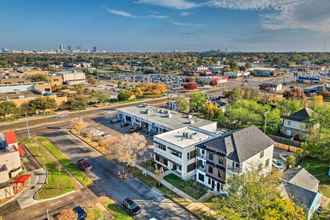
<point x="108" y="183"/>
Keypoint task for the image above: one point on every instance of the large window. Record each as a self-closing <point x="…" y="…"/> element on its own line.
<point x="221" y="160"/>
<point x="262" y="153"/>
<point x="210" y="170"/>
<point x="191" y="155"/>
<point x="210" y="156"/>
<point x="175" y="152"/>
<point x="191" y="167"/>
<point x="201" y="177"/>
<point x="161" y="146"/>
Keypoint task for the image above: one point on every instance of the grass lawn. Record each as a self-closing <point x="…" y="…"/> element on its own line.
<point x="59" y="181"/>
<point x="117" y="212"/>
<point x="190" y="187"/>
<point x="65" y="161"/>
<point x="320" y="170"/>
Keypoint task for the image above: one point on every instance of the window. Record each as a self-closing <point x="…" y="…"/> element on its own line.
<point x="210" y="170"/>
<point x="157" y="157"/>
<point x="221" y="174"/>
<point x="175" y="153"/>
<point x="267" y="163"/>
<point x="201" y="177"/>
<point x="210" y="156"/>
<point x="191" y="155"/>
<point x="191" y="167"/>
<point x="209" y="180"/>
<point x="161" y="146"/>
<point x="260" y="167"/>
<point x="221" y="160"/>
<point x="262" y="153"/>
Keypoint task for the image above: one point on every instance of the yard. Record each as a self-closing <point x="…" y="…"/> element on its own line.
<point x="320" y="170"/>
<point x="65" y="161"/>
<point x="190" y="187"/>
<point x="59" y="181"/>
<point x="117" y="212"/>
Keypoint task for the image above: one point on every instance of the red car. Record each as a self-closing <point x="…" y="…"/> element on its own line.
<point x="83" y="164"/>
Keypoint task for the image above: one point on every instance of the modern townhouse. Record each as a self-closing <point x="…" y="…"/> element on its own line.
<point x="156" y="120"/>
<point x="233" y="153"/>
<point x="175" y="151"/>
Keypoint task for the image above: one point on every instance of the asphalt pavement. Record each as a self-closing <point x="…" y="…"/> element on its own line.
<point x="107" y="182"/>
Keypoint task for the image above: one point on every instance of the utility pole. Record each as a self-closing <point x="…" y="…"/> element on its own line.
<point x="265" y="121"/>
<point x="27" y="125"/>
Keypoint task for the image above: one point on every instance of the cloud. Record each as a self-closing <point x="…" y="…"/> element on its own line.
<point x="157" y="16"/>
<point x="177" y="4"/>
<point x="285" y="14"/>
<point x="185" y="24"/>
<point x="120" y="13"/>
<point x="185" y="14"/>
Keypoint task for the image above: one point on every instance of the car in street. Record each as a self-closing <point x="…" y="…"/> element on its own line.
<point x="279" y="164"/>
<point x="131" y="207"/>
<point x="80" y="212"/>
<point x="84" y="164"/>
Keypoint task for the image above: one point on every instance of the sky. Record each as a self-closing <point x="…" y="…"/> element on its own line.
<point x="167" y="25"/>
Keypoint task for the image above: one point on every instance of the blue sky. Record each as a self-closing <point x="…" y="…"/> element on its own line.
<point x="166" y="25"/>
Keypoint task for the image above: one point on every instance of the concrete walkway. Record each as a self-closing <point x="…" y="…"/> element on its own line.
<point x="38" y="179"/>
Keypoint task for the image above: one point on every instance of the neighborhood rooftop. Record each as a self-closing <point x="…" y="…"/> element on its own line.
<point x="169" y="119"/>
<point x="241" y="145"/>
<point x="184" y="137"/>
<point x="302" y="115"/>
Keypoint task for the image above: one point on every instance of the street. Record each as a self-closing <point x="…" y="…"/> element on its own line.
<point x="107" y="181"/>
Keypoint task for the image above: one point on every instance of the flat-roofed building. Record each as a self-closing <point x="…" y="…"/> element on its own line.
<point x="176" y="150"/>
<point x="159" y="120"/>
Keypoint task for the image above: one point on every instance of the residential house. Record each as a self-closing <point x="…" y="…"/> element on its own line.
<point x="302" y="187"/>
<point x="298" y="125"/>
<point x="233" y="153"/>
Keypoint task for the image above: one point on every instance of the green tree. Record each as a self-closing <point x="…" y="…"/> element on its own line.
<point x="7" y="108"/>
<point x="255" y="197"/>
<point x="197" y="101"/>
<point x="77" y="103"/>
<point x="183" y="104"/>
<point x="124" y="95"/>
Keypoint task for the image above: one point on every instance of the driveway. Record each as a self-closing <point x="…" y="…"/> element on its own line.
<point x="108" y="183"/>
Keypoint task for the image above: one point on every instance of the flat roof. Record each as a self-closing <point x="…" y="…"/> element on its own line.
<point x="184" y="137"/>
<point x="160" y="116"/>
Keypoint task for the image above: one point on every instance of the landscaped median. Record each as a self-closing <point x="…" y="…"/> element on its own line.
<point x="58" y="181"/>
<point x="58" y="166"/>
<point x="65" y="161"/>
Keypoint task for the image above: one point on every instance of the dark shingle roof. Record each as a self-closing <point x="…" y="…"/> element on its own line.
<point x="302" y="115"/>
<point x="301" y="196"/>
<point x="241" y="145"/>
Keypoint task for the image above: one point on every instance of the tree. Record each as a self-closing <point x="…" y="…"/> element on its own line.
<point x="77" y="103"/>
<point x="197" y="101"/>
<point x="79" y="124"/>
<point x="183" y="104"/>
<point x="124" y="95"/>
<point x="38" y="78"/>
<point x="66" y="214"/>
<point x="318" y="101"/>
<point x="211" y="111"/>
<point x="41" y="104"/>
<point x="255" y="197"/>
<point x="291" y="161"/>
<point x="7" y="108"/>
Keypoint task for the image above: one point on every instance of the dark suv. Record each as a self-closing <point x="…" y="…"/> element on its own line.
<point x="131" y="207"/>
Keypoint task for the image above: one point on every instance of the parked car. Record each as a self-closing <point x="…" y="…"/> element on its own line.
<point x="284" y="157"/>
<point x="84" y="164"/>
<point x="131" y="207"/>
<point x="279" y="164"/>
<point x="81" y="213"/>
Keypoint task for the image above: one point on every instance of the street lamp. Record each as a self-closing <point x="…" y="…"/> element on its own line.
<point x="265" y="120"/>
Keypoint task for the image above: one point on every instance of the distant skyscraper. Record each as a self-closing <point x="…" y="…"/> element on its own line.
<point x="94" y="50"/>
<point x="69" y="48"/>
<point x="61" y="48"/>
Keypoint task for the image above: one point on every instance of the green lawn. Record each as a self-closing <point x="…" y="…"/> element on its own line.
<point x="190" y="187"/>
<point x="59" y="181"/>
<point x="320" y="170"/>
<point x="65" y="161"/>
<point x="117" y="212"/>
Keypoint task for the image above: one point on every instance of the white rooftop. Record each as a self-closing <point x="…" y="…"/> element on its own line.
<point x="184" y="137"/>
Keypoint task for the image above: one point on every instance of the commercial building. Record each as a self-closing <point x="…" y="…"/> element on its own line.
<point x="233" y="153"/>
<point x="72" y="77"/>
<point x="156" y="120"/>
<point x="175" y="150"/>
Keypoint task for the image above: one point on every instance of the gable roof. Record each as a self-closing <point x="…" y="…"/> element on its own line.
<point x="241" y="145"/>
<point x="301" y="178"/>
<point x="301" y="196"/>
<point x="301" y="115"/>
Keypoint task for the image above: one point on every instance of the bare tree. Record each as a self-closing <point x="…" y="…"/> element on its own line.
<point x="66" y="214"/>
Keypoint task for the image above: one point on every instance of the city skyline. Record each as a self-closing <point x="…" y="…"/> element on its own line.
<point x="167" y="25"/>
